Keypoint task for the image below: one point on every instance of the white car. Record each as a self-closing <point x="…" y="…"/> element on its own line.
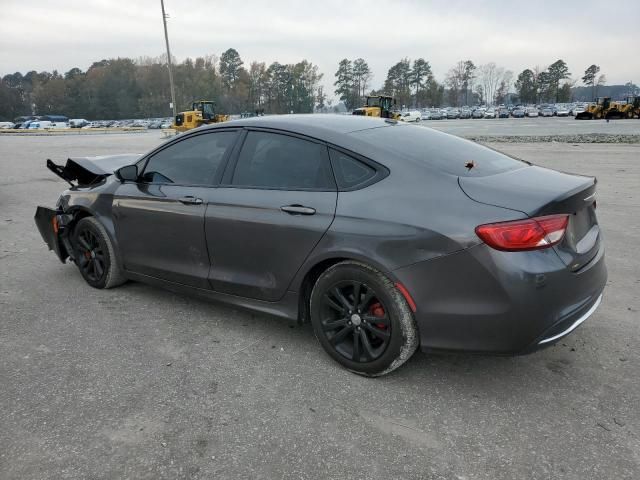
<point x="78" y="122"/>
<point x="411" y="116"/>
<point x="576" y="110"/>
<point x="490" y="113"/>
<point x="40" y="125"/>
<point x="531" y="112"/>
<point x="7" y="125"/>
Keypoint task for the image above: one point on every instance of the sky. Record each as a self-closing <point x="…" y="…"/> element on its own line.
<point x="515" y="34"/>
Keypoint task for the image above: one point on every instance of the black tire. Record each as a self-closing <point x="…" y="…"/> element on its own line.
<point x="372" y="338"/>
<point x="95" y="256"/>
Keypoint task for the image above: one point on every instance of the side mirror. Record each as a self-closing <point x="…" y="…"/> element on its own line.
<point x="128" y="173"/>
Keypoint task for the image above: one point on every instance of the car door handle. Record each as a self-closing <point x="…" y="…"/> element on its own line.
<point x="190" y="200"/>
<point x="298" y="210"/>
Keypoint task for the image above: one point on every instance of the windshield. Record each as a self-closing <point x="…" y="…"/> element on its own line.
<point x="446" y="153"/>
<point x="373" y="101"/>
<point x="207" y="109"/>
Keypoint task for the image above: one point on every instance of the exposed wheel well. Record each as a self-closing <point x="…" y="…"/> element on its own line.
<point x="79" y="214"/>
<point x="307" y="285"/>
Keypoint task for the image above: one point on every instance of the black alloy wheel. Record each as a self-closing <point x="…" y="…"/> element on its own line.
<point x="95" y="255"/>
<point x="362" y="320"/>
<point x="91" y="257"/>
<point x="355" y="322"/>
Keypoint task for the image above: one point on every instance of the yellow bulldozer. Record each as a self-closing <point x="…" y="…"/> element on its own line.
<point x="628" y="108"/>
<point x="379" y="106"/>
<point x="596" y="110"/>
<point x="202" y="112"/>
<point x="605" y="108"/>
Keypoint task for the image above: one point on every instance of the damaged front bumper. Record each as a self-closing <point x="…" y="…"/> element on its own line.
<point x="54" y="226"/>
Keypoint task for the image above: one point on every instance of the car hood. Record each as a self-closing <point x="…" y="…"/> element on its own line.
<point x="88" y="170"/>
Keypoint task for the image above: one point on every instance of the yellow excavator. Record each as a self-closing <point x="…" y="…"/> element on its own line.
<point x="202" y="112"/>
<point x="379" y="106"/>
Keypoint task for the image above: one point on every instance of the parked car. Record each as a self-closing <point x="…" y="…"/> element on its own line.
<point x="577" y="109"/>
<point x="453" y="113"/>
<point x="546" y="112"/>
<point x="78" y="122"/>
<point x="503" y="113"/>
<point x="531" y="112"/>
<point x="7" y="125"/>
<point x="435" y="114"/>
<point x="490" y="113"/>
<point x="478" y="113"/>
<point x="39" y="125"/>
<point x="465" y="113"/>
<point x="518" y="112"/>
<point x="410" y="116"/>
<point x="487" y="261"/>
<point x="563" y="111"/>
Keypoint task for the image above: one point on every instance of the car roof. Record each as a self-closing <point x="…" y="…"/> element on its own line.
<point x="323" y="126"/>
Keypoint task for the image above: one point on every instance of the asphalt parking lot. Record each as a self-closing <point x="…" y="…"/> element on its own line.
<point x="140" y="383"/>
<point x="534" y="126"/>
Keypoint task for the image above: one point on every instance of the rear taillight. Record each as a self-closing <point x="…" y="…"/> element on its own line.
<point x="530" y="234"/>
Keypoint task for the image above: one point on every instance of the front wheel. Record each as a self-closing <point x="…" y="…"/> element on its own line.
<point x="94" y="254"/>
<point x="362" y="320"/>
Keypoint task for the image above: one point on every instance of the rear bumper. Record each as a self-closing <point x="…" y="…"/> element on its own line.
<point x="483" y="300"/>
<point x="565" y="327"/>
<point x="45" y="219"/>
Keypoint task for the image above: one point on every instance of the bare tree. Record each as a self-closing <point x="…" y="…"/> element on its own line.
<point x="490" y="77"/>
<point x="602" y="80"/>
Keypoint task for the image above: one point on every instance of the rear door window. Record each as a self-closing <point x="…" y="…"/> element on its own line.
<point x="274" y="161"/>
<point x="349" y="172"/>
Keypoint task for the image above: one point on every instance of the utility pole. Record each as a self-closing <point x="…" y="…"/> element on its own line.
<point x="166" y="38"/>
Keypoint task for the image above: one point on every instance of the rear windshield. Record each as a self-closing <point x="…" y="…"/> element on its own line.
<point x="443" y="152"/>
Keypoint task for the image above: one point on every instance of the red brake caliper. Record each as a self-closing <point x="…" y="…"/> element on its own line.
<point x="377" y="310"/>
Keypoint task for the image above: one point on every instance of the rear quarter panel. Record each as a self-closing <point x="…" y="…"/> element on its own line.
<point x="414" y="214"/>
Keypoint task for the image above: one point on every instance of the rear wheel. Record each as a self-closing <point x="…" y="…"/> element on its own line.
<point x="361" y="320"/>
<point x="95" y="255"/>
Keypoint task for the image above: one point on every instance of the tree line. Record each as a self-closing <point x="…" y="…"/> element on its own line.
<point x="126" y="88"/>
<point x="413" y="85"/>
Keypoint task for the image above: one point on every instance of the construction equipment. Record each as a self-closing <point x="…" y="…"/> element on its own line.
<point x="628" y="108"/>
<point x="379" y="106"/>
<point x="202" y="113"/>
<point x="596" y="110"/>
<point x="605" y="108"/>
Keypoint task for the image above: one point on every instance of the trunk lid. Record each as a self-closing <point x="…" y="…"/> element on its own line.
<point x="537" y="191"/>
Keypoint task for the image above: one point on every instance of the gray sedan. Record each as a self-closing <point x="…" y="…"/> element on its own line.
<point x="386" y="237"/>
